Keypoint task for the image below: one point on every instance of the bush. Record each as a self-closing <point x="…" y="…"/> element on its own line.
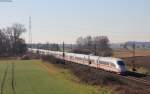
<point x="25" y="57"/>
<point x="51" y="59"/>
<point x="86" y="74"/>
<point x="94" y="76"/>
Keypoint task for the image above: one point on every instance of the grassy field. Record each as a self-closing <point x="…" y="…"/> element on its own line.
<point x="36" y="77"/>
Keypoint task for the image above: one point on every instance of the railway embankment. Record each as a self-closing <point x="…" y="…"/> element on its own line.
<point x="87" y="75"/>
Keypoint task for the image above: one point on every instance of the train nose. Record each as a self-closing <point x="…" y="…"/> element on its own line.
<point x="123" y="69"/>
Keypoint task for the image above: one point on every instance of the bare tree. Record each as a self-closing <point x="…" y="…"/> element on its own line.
<point x="102" y="46"/>
<point x="10" y="40"/>
<point x="54" y="47"/>
<point x="88" y="43"/>
<point x="17" y="31"/>
<point x="80" y="42"/>
<point x="98" y="45"/>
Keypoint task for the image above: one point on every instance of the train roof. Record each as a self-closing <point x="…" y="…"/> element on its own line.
<point x="83" y="55"/>
<point x="110" y="59"/>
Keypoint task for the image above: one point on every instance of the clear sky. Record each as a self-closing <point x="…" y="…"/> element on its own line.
<point x="65" y="20"/>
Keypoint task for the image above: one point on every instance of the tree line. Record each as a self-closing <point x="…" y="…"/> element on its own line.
<point x="97" y="45"/>
<point x="11" y="43"/>
<point x="46" y="46"/>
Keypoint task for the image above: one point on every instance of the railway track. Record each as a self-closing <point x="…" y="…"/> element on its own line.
<point x="147" y="82"/>
<point x="132" y="77"/>
<point x="80" y="59"/>
<point x="141" y="80"/>
<point x="136" y="77"/>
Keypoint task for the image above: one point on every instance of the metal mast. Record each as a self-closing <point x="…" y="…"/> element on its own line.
<point x="30" y="33"/>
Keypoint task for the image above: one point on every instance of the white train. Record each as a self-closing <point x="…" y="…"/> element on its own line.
<point x="106" y="63"/>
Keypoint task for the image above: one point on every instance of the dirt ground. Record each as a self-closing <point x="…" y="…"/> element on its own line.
<point x="122" y="53"/>
<point x="141" y="59"/>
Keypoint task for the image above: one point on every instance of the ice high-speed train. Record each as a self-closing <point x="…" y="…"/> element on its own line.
<point x="106" y="63"/>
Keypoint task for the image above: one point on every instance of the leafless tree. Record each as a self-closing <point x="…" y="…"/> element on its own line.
<point x="10" y="40"/>
<point x="54" y="47"/>
<point x="102" y="47"/>
<point x="98" y="45"/>
<point x="80" y="42"/>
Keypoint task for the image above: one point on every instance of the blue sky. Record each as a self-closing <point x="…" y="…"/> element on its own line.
<point x="65" y="20"/>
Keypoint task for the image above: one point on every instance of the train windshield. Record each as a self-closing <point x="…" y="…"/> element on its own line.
<point x="121" y="63"/>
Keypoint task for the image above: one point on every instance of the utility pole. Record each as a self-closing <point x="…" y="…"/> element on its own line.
<point x="71" y="47"/>
<point x="63" y="52"/>
<point x="134" y="49"/>
<point x="95" y="49"/>
<point x="133" y="62"/>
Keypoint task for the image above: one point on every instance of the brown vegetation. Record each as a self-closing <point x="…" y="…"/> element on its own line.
<point x="141" y="59"/>
<point x="11" y="43"/>
<point x="97" y="77"/>
<point x="98" y="45"/>
<point x="122" y="53"/>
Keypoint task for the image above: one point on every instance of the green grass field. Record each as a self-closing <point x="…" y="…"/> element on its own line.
<point x="36" y="77"/>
